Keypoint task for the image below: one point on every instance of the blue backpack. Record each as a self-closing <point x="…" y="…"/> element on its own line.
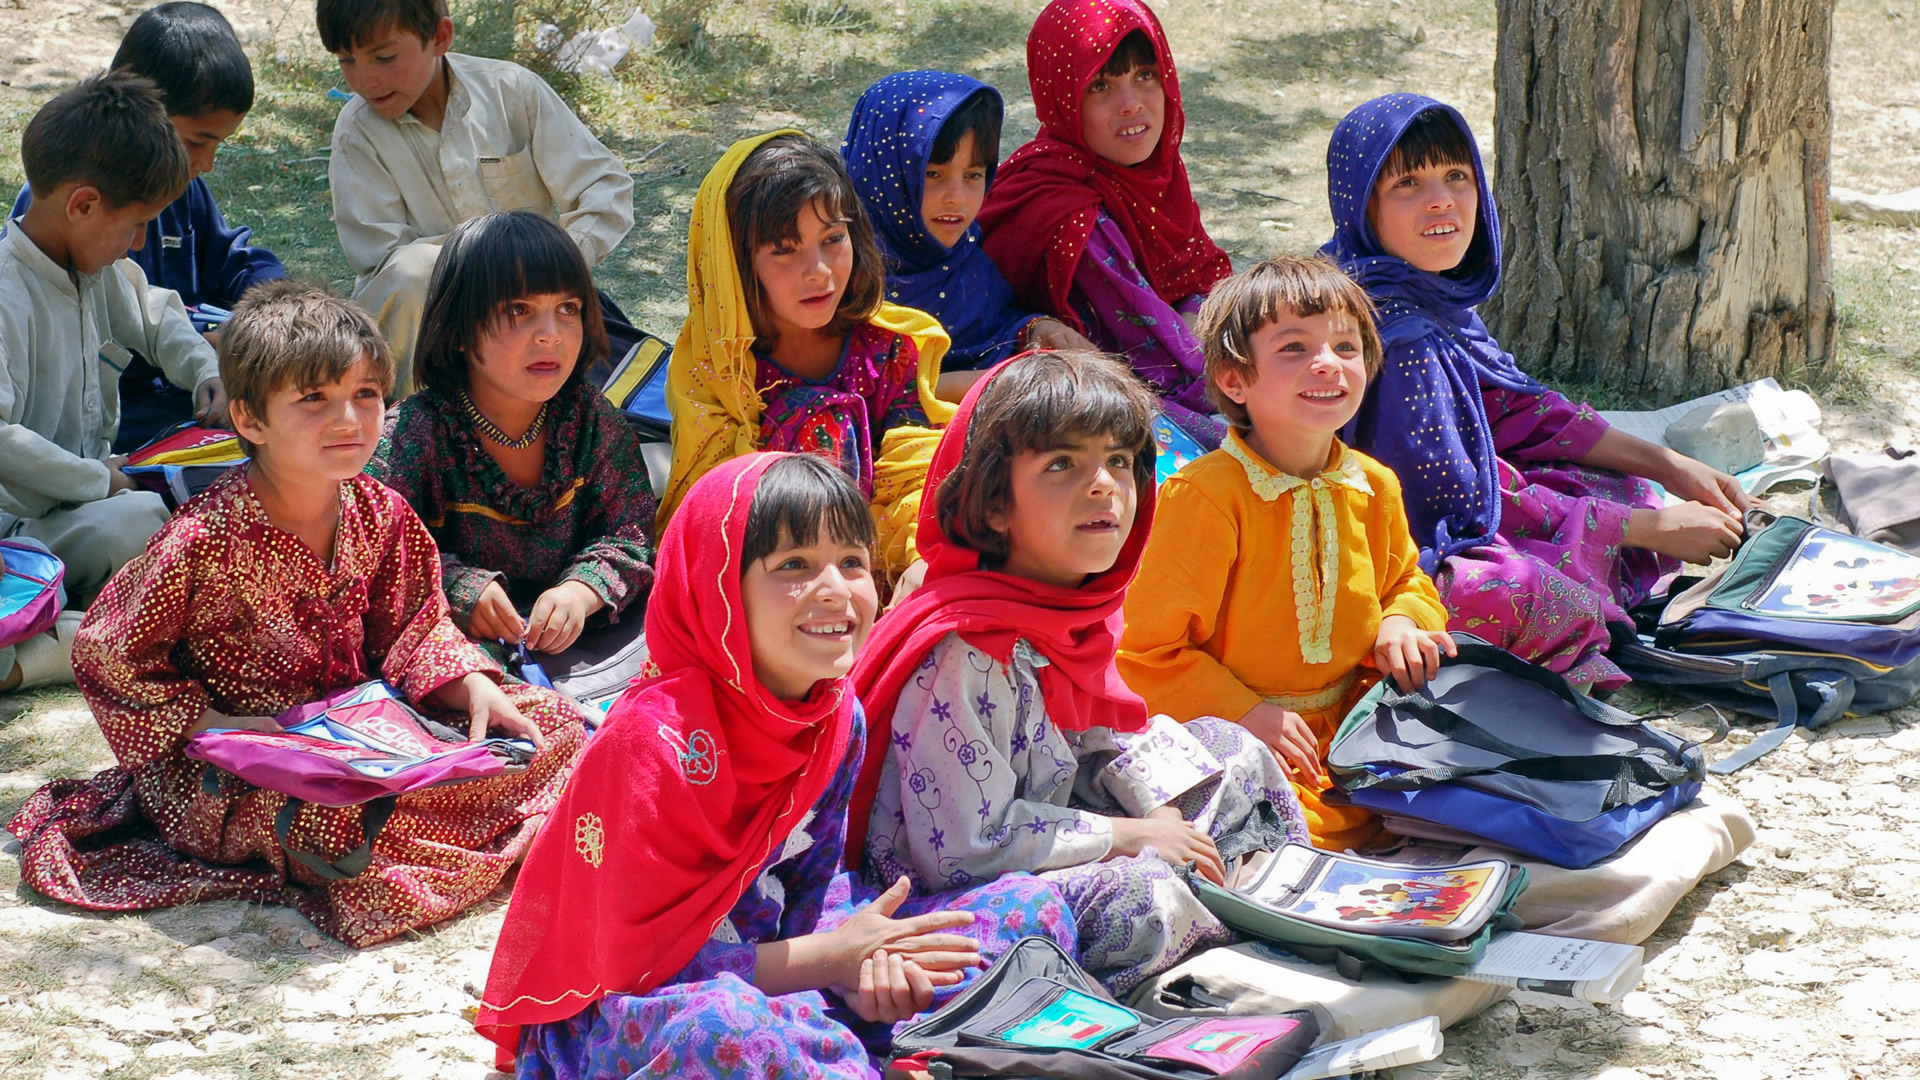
<point x="1804" y="625"/>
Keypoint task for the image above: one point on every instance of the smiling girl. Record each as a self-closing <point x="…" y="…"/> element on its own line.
<point x="531" y="483"/>
<point x="1003" y="737"/>
<point x="788" y="344"/>
<point x="1093" y="221"/>
<point x="1311" y="576"/>
<point x="922" y="149"/>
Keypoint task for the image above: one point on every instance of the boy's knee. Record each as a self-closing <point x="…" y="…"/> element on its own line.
<point x="96" y="539"/>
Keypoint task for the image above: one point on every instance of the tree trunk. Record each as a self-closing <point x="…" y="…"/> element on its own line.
<point x="1662" y="174"/>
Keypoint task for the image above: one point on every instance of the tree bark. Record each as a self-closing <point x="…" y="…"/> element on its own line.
<point x="1662" y="175"/>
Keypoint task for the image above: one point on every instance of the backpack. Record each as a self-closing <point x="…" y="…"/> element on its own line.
<point x="1034" y="1013"/>
<point x="183" y="461"/>
<point x="1497" y="750"/>
<point x="1804" y="625"/>
<point x="360" y="746"/>
<point x="31" y="589"/>
<point x="638" y="388"/>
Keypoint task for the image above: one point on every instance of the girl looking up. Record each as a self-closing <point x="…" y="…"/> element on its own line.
<point x="922" y="148"/>
<point x="1531" y="513"/>
<point x="788" y="343"/>
<point x="530" y="481"/>
<point x="1004" y="738"/>
<point x="685" y="913"/>
<point x="1093" y="221"/>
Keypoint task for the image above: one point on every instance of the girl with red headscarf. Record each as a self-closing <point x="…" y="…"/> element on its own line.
<point x="683" y="912"/>
<point x="1004" y="739"/>
<point x="1094" y="221"/>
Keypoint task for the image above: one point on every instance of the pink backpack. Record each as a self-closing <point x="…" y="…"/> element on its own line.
<point x="362" y="745"/>
<point x="31" y="593"/>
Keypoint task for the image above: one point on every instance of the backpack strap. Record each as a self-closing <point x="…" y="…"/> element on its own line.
<point x="1786" y="702"/>
<point x="373" y="818"/>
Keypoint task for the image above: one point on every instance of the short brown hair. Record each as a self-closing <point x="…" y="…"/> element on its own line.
<point x="285" y="333"/>
<point x="1040" y="401"/>
<point x="1238" y="307"/>
<point x="782" y="178"/>
<point x="109" y="132"/>
<point x="346" y="25"/>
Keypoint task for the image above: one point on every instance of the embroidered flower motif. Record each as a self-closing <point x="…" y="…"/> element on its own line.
<point x="590" y="839"/>
<point x="698" y="754"/>
<point x="1314" y="528"/>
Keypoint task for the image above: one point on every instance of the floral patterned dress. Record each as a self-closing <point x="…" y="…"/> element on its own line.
<point x="979" y="783"/>
<point x="1123" y="315"/>
<point x="225" y="610"/>
<point x="709" y="1021"/>
<point x="1559" y="570"/>
<point x="844" y="416"/>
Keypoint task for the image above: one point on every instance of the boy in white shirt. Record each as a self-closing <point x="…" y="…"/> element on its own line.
<point x="435" y="138"/>
<point x="102" y="160"/>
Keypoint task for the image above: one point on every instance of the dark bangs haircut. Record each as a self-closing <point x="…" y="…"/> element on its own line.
<point x="980" y="114"/>
<point x="1134" y="51"/>
<point x="796" y="497"/>
<point x="346" y="25"/>
<point x="1041" y="401"/>
<point x="783" y="178"/>
<point x="109" y="132"/>
<point x="486" y="263"/>
<point x="287" y="334"/>
<point x="1432" y="139"/>
<point x="192" y="54"/>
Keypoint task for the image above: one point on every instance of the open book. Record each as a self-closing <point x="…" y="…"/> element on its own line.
<point x="1598" y="971"/>
<point x="1346" y="892"/>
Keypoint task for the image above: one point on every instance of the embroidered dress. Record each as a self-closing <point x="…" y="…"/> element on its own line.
<point x="588" y="519"/>
<point x="889" y="141"/>
<point x="224" y="610"/>
<point x="843" y="417"/>
<point x="1286" y="607"/>
<point x="979" y="782"/>
<point x="709" y="1021"/>
<point x="714" y="383"/>
<point x="1526" y="545"/>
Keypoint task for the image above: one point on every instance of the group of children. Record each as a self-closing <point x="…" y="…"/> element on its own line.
<point x="909" y="371"/>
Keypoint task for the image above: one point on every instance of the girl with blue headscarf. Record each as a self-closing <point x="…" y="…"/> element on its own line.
<point x="1533" y="515"/>
<point x="922" y="149"/>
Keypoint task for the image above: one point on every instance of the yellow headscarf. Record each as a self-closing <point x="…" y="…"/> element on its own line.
<point x="710" y="378"/>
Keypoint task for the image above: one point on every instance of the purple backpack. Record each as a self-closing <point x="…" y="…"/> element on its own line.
<point x="31" y="593"/>
<point x="362" y="745"/>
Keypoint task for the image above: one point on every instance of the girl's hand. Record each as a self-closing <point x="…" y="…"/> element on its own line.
<point x="1047" y="333"/>
<point x="494" y="618"/>
<point x="1286" y="733"/>
<point x="1171" y="837"/>
<point x="1689" y="532"/>
<point x="893" y="988"/>
<point x="1702" y="483"/>
<point x="852" y="944"/>
<point x="211" y="720"/>
<point x="559" y="615"/>
<point x="1409" y="654"/>
<point x="490" y="709"/>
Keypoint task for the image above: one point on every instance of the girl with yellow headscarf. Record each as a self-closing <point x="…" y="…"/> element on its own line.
<point x="787" y="343"/>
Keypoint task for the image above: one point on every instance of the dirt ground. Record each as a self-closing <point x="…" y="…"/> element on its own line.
<point x="1800" y="960"/>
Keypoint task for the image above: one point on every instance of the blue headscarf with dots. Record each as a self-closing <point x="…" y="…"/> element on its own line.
<point x="894" y="126"/>
<point x="1424" y="416"/>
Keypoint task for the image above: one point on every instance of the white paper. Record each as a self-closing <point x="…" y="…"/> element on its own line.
<point x="1598" y="971"/>
<point x="1407" y="1044"/>
<point x="1788" y="419"/>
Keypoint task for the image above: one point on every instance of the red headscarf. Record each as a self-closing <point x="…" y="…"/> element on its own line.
<point x="1077" y="630"/>
<point x="679" y="798"/>
<point x="1040" y="211"/>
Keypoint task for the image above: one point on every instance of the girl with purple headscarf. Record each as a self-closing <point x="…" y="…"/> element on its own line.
<point x="1531" y="512"/>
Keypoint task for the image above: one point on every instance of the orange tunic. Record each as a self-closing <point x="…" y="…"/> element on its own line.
<point x="1262" y="586"/>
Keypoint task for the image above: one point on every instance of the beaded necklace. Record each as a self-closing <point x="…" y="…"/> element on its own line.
<point x="492" y="430"/>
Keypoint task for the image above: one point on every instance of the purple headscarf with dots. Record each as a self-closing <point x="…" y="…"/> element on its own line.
<point x="1424" y="416"/>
